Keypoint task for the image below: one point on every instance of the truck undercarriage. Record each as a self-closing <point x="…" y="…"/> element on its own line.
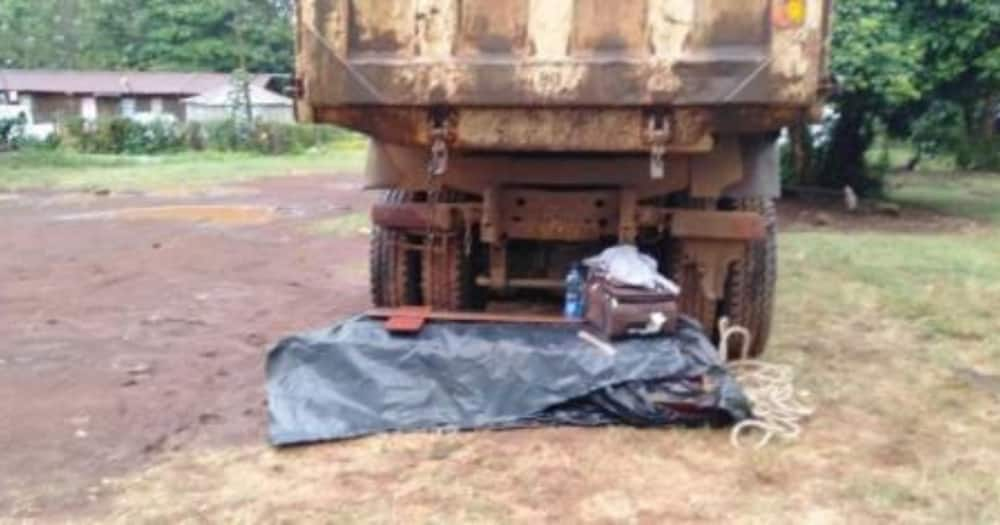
<point x="520" y="225"/>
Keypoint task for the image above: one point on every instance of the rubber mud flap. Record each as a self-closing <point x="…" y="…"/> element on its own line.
<point x="355" y="379"/>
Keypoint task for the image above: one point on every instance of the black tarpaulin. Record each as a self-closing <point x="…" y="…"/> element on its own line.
<point x="355" y="379"/>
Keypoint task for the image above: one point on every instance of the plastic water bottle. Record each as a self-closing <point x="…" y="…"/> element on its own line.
<point x="574" y="307"/>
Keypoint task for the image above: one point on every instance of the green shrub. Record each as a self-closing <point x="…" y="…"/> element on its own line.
<point x="126" y="136"/>
<point x="193" y="136"/>
<point x="50" y="142"/>
<point x="312" y="135"/>
<point x="941" y="129"/>
<point x="11" y="129"/>
<point x="223" y="135"/>
<point x="979" y="154"/>
<point x="121" y="136"/>
<point x="73" y="134"/>
<point x="271" y="138"/>
<point x="274" y="138"/>
<point x="113" y="136"/>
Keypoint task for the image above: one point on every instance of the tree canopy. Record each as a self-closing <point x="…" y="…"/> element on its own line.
<point x="898" y="60"/>
<point x="216" y="35"/>
<point x="42" y="34"/>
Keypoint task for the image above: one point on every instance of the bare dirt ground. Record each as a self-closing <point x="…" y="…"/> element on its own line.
<point x="132" y="346"/>
<point x="128" y="335"/>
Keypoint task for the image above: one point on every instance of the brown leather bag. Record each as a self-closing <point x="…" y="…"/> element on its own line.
<point x="622" y="311"/>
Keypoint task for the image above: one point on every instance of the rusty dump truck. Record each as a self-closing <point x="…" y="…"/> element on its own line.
<point x="513" y="137"/>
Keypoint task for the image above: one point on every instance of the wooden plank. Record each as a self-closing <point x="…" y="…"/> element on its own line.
<point x="478" y="317"/>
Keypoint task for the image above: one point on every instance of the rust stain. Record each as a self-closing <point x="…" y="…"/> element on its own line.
<point x="222" y="215"/>
<point x="728" y="23"/>
<point x="796" y="55"/>
<point x="596" y="30"/>
<point x="182" y="192"/>
<point x="437" y="25"/>
<point x="380" y="27"/>
<point x="494" y="26"/>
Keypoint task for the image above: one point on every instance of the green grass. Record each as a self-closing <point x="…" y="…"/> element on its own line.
<point x="900" y="153"/>
<point x="945" y="286"/>
<point x="876" y="325"/>
<point x="971" y="196"/>
<point x="68" y="170"/>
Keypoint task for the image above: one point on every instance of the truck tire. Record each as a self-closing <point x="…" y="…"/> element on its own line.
<point x="748" y="297"/>
<point x="443" y="277"/>
<point x="751" y="283"/>
<point x="393" y="269"/>
<point x="448" y="271"/>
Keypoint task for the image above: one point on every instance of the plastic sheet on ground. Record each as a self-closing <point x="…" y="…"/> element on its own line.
<point x="355" y="379"/>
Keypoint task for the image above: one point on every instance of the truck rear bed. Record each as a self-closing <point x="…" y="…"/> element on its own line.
<point x="368" y="64"/>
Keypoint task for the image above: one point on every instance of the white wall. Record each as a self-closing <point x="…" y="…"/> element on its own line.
<point x="88" y="108"/>
<point x="25" y="105"/>
<point x="199" y="113"/>
<point x="126" y="106"/>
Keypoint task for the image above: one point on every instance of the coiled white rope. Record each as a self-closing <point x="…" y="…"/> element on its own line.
<point x="778" y="409"/>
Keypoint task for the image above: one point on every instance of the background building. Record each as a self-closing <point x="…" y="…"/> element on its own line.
<point x="217" y="105"/>
<point x="46" y="96"/>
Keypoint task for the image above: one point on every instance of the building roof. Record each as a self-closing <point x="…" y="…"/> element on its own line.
<point x="222" y="96"/>
<point x="115" y="83"/>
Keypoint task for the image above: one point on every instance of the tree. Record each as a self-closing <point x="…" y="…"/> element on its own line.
<point x="899" y="61"/>
<point x="43" y="34"/>
<point x="876" y="61"/>
<point x="147" y="34"/>
<point x="962" y="55"/>
<point x="195" y="34"/>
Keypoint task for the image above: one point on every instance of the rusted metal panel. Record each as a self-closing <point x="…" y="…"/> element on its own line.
<point x="493" y="27"/>
<point x="560" y="75"/>
<point x="378" y="27"/>
<point x="628" y="206"/>
<point x="559" y="216"/>
<point x="404" y="320"/>
<point x="569" y="216"/>
<point x="519" y="129"/>
<point x="516" y="53"/>
<point x="522" y="284"/>
<point x="596" y="30"/>
<point x="420" y="217"/>
<point x="403" y="167"/>
<point x="716" y="226"/>
<point x="472" y="317"/>
<point x="716" y="172"/>
<point x="408" y="217"/>
<point x="722" y="23"/>
<point x="712" y="258"/>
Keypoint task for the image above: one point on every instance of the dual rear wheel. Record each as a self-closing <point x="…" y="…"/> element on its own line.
<point x="404" y="272"/>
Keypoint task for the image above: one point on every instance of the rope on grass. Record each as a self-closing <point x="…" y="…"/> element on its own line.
<point x="778" y="408"/>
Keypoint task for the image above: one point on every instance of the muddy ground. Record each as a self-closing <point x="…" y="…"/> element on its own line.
<point x="130" y="336"/>
<point x="124" y="335"/>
